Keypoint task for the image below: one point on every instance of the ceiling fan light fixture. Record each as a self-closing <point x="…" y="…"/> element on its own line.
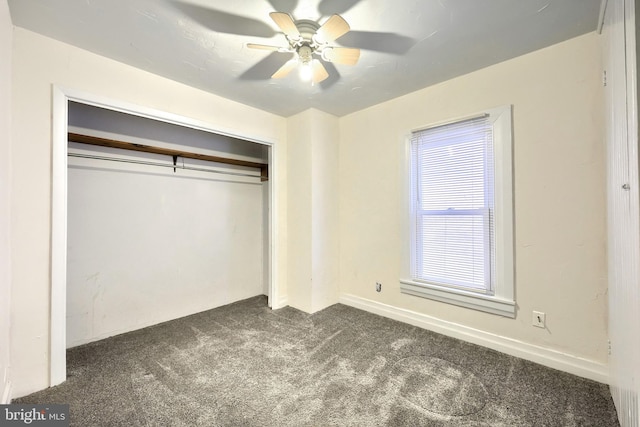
<point x="305" y="58"/>
<point x="304" y="53"/>
<point x="306" y="71"/>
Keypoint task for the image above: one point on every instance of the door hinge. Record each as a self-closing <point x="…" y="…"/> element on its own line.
<point x="604" y="77"/>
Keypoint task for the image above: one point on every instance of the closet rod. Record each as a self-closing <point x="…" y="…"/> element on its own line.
<point x="142" y="162"/>
<point x="112" y="143"/>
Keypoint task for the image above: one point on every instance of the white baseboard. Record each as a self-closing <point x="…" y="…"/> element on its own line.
<point x="544" y="356"/>
<point x="281" y="302"/>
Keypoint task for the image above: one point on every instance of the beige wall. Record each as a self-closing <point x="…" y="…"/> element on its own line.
<point x="299" y="212"/>
<point x="6" y="30"/>
<point x="325" y="208"/>
<point x="39" y="63"/>
<point x="559" y="166"/>
<point x="313" y="239"/>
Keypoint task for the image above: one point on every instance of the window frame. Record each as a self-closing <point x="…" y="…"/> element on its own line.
<point x="502" y="300"/>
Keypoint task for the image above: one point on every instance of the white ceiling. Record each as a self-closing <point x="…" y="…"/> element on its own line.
<point x="406" y="44"/>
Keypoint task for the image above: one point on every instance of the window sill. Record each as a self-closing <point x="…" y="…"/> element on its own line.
<point x="487" y="303"/>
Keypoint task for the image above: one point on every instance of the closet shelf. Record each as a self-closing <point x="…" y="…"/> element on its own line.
<point x="112" y="143"/>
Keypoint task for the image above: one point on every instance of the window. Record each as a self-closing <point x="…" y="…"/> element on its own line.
<point x="461" y="234"/>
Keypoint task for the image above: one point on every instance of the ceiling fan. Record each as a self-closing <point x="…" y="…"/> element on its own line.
<point x="311" y="44"/>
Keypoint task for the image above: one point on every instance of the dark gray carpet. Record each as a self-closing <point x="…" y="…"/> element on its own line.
<point x="246" y="365"/>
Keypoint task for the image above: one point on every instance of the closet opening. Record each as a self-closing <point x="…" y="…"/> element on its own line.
<point x="155" y="217"/>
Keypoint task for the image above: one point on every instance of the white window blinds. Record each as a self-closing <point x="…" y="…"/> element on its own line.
<point x="453" y="203"/>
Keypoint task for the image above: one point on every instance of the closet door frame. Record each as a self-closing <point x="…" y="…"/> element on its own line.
<point x="61" y="98"/>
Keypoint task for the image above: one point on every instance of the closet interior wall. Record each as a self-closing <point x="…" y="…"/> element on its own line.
<point x="148" y="243"/>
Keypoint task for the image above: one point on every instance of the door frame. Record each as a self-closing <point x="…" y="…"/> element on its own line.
<point x="618" y="25"/>
<point x="60" y="120"/>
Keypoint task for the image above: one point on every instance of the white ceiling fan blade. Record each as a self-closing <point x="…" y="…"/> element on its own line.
<point x="334" y="28"/>
<point x="268" y="47"/>
<point x="319" y="72"/>
<point x="285" y="69"/>
<point x="286" y="24"/>
<point x="341" y="55"/>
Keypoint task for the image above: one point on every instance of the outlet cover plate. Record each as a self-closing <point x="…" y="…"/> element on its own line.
<point x="539" y="319"/>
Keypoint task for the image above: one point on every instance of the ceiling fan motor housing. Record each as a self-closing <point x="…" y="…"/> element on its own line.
<point x="306" y="45"/>
<point x="307" y="29"/>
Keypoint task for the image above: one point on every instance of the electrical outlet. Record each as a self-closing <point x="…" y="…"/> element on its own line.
<point x="378" y="287"/>
<point x="539" y="319"/>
